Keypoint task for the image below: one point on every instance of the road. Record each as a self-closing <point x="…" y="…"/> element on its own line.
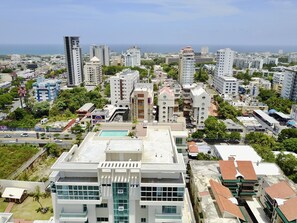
<point x="22" y="140"/>
<point x="32" y="134"/>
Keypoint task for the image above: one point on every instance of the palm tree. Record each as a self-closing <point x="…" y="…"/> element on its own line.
<point x="36" y="197"/>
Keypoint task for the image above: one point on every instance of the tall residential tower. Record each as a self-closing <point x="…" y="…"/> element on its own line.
<point x="224" y="62"/>
<point x="73" y="58"/>
<point x="132" y="57"/>
<point x="186" y="66"/>
<point x="101" y="52"/>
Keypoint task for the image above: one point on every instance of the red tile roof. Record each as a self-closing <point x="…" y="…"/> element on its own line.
<point x="230" y="171"/>
<point x="247" y="170"/>
<point x="220" y="189"/>
<point x="193" y="148"/>
<point x="280" y="190"/>
<point x="289" y="209"/>
<point x="222" y="195"/>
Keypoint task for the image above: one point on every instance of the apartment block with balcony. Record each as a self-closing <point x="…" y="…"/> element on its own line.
<point x="93" y="72"/>
<point x="111" y="177"/>
<point x="240" y="177"/>
<point x="200" y="101"/>
<point x="279" y="201"/>
<point x="142" y="102"/>
<point x="46" y="89"/>
<point x="121" y="87"/>
<point x="167" y="105"/>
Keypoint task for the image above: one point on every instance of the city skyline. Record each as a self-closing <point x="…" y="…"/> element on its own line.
<point x="242" y="22"/>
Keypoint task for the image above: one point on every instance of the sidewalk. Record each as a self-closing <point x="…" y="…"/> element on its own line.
<point x="9" y="207"/>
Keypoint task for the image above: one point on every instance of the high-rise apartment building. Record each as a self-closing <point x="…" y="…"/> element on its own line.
<point x="132" y="57"/>
<point x="200" y="104"/>
<point x="73" y="57"/>
<point x="93" y="72"/>
<point x="102" y="52"/>
<point x="186" y="66"/>
<point x="142" y="102"/>
<point x="224" y="62"/>
<point x="119" y="179"/>
<point x="121" y="87"/>
<point x="289" y="88"/>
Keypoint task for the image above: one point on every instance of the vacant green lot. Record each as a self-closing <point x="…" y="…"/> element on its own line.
<point x="27" y="209"/>
<point x="3" y="205"/>
<point x="13" y="156"/>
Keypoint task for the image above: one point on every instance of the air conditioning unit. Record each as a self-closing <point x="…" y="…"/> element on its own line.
<point x="120" y="191"/>
<point x="121" y="208"/>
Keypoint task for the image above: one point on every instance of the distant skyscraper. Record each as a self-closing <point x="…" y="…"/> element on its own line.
<point x="101" y="52"/>
<point x="73" y="58"/>
<point x="186" y="66"/>
<point x="224" y="62"/>
<point x="132" y="57"/>
<point x="93" y="72"/>
<point x="204" y="50"/>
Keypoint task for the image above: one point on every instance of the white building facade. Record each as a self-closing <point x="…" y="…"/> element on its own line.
<point x="224" y="65"/>
<point x="132" y="57"/>
<point x="200" y="105"/>
<point x="73" y="57"/>
<point x="93" y="72"/>
<point x="289" y="88"/>
<point x="121" y="87"/>
<point x="102" y="52"/>
<point x="166" y="104"/>
<point x="226" y="85"/>
<point x="121" y="180"/>
<point x="186" y="66"/>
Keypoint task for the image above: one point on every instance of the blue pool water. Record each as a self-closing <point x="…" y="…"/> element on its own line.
<point x="112" y="133"/>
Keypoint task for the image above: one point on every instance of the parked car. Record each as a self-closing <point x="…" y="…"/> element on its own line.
<point x="24" y="134"/>
<point x="58" y="140"/>
<point x="7" y="136"/>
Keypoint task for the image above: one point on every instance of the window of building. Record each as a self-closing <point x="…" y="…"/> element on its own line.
<point x="143" y="220"/>
<point x="178" y="141"/>
<point x="102" y="219"/>
<point x="143" y="206"/>
<point x="103" y="205"/>
<point x="168" y="209"/>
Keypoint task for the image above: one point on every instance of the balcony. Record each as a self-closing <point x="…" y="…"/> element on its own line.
<point x="168" y="218"/>
<point x="73" y="217"/>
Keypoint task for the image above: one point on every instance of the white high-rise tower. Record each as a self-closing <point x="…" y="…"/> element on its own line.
<point x="186" y="66"/>
<point x="224" y="62"/>
<point x="73" y="58"/>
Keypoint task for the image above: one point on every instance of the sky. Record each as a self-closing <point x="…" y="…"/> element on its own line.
<point x="236" y="22"/>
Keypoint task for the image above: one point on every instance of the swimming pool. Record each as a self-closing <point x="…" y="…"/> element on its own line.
<point x="113" y="133"/>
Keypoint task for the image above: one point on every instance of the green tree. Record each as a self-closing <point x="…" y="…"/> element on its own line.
<point x="41" y="109"/>
<point x="287" y="134"/>
<point x="290" y="144"/>
<point x="107" y="90"/>
<point x="233" y="136"/>
<point x="198" y="134"/>
<point x="287" y="163"/>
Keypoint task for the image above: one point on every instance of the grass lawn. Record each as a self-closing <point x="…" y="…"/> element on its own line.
<point x="26" y="210"/>
<point x="3" y="205"/>
<point x="13" y="156"/>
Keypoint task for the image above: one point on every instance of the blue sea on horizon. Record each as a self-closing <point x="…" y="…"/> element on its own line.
<point x="48" y="49"/>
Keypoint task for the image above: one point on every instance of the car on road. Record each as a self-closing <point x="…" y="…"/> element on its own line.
<point x="58" y="140"/>
<point x="24" y="134"/>
<point x="7" y="136"/>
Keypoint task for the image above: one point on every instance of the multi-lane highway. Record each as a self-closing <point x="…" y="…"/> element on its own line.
<point x="10" y="137"/>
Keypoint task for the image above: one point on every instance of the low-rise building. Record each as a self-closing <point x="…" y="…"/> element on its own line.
<point x="109" y="113"/>
<point x="166" y="105"/>
<point x="46" y="89"/>
<point x="226" y="85"/>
